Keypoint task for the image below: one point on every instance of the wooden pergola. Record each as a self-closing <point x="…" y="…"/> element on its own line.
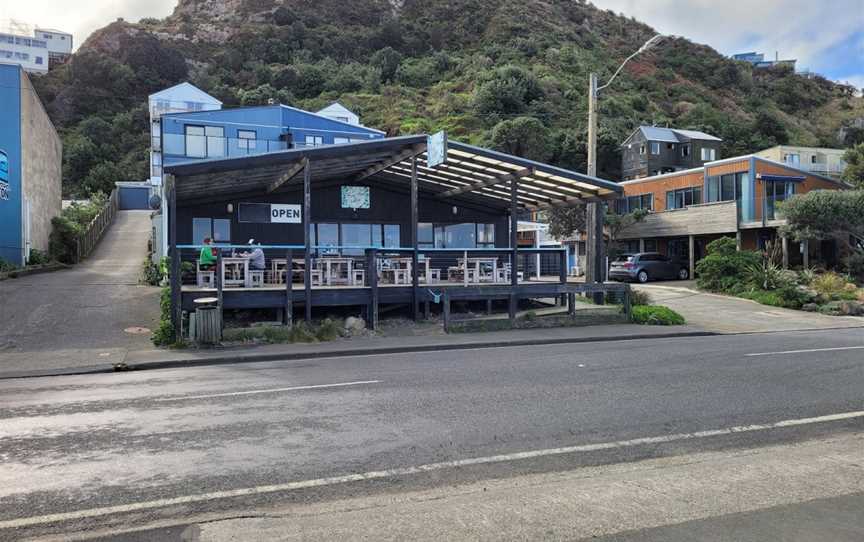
<point x="469" y="174"/>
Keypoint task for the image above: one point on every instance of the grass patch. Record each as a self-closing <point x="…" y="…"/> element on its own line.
<point x="656" y="315"/>
<point x="328" y="330"/>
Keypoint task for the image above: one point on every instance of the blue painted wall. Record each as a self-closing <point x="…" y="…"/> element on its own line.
<point x="10" y="143"/>
<point x="269" y="123"/>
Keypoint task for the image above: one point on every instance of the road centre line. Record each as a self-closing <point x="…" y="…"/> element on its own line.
<point x="404" y="471"/>
<point x="272" y="390"/>
<point x="806" y="351"/>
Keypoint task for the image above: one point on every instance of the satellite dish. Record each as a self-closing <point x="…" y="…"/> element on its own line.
<point x="155" y="202"/>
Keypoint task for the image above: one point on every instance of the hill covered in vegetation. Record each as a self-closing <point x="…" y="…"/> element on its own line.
<point x="510" y="74"/>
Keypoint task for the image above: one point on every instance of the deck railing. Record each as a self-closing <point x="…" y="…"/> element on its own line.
<point x="88" y="240"/>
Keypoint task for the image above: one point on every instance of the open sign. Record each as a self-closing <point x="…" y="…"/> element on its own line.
<point x="285" y="214"/>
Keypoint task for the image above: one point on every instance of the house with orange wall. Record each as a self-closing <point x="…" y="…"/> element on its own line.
<point x="736" y="197"/>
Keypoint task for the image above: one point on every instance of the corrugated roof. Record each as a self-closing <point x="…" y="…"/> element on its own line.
<point x="694" y="134"/>
<point x="672" y="135"/>
<point x="468" y="173"/>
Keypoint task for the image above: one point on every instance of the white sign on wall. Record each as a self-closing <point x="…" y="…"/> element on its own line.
<point x="285" y="214"/>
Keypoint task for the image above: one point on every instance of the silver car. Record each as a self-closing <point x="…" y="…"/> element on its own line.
<point x="645" y="266"/>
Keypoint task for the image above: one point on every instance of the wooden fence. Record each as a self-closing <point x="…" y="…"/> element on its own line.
<point x="88" y="240"/>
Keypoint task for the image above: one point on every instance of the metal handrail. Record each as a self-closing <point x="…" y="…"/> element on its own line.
<point x="88" y="240"/>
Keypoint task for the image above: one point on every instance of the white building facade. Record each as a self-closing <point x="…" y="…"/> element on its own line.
<point x="181" y="98"/>
<point x="35" y="53"/>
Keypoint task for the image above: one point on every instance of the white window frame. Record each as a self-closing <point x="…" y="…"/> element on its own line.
<point x="655" y="148"/>
<point x="244" y="141"/>
<point x="708" y="155"/>
<point x="314" y="141"/>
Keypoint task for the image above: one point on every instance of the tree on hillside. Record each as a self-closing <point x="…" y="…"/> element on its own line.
<point x="523" y="136"/>
<point x="854" y="173"/>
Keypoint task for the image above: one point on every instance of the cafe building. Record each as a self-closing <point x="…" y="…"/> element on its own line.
<point x="412" y="220"/>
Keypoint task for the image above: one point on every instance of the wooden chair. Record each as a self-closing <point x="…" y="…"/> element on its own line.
<point x="317" y="277"/>
<point x="359" y="278"/>
<point x="256" y="277"/>
<point x="206" y="278"/>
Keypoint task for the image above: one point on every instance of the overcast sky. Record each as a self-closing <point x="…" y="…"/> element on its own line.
<point x="827" y="40"/>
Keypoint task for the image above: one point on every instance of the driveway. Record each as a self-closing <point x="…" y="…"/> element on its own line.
<point x="726" y="314"/>
<point x="84" y="315"/>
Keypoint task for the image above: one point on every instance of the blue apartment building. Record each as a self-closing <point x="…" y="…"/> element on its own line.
<point x="231" y="133"/>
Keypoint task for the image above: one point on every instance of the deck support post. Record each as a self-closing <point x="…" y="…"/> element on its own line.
<point x="805" y="252"/>
<point x="415" y="267"/>
<point x="219" y="286"/>
<point x="784" y="241"/>
<point x="571" y="304"/>
<point x="488" y="306"/>
<point x="627" y="302"/>
<point x="427" y="310"/>
<point x="446" y="303"/>
<point x="176" y="280"/>
<point x="514" y="257"/>
<point x="372" y="274"/>
<point x="691" y="252"/>
<point x="738" y="240"/>
<point x="289" y="288"/>
<point x="307" y="209"/>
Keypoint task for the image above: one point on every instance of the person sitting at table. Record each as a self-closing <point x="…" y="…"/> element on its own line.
<point x="207" y="258"/>
<point x="255" y="257"/>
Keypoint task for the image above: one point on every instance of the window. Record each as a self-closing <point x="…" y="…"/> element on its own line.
<point x="356" y="235"/>
<point x="38" y="60"/>
<point x="314" y="141"/>
<point x="685" y="150"/>
<point x="218" y="229"/>
<point x="205" y="141"/>
<point x="708" y="154"/>
<point x="655" y="148"/>
<point x="391" y="235"/>
<point x="341" y="119"/>
<point x="631" y="203"/>
<point x="341" y="140"/>
<point x="246" y="139"/>
<point x="720" y="188"/>
<point x="642" y="149"/>
<point x="465" y="235"/>
<point x="684" y="197"/>
<point x="777" y="191"/>
<point x="650" y="245"/>
<point x="812" y="157"/>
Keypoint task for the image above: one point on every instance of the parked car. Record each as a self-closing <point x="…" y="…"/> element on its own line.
<point x="645" y="266"/>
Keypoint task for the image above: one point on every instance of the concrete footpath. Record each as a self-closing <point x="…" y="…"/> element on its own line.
<point x="91" y="313"/>
<point x="796" y="492"/>
<point x="151" y="358"/>
<point x="727" y="314"/>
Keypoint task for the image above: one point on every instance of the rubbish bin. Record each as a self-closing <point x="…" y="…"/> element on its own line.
<point x="208" y="321"/>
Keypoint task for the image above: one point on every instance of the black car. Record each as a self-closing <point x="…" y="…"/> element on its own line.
<point x="645" y="266"/>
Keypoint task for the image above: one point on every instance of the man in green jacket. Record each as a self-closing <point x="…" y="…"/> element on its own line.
<point x="207" y="259"/>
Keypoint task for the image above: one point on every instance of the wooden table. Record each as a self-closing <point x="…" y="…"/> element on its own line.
<point x="328" y="265"/>
<point x="398" y="272"/>
<point x="473" y="268"/>
<point x="236" y="267"/>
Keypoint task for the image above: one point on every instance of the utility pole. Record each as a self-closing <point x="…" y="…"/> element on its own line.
<point x="594" y="217"/>
<point x="595" y="268"/>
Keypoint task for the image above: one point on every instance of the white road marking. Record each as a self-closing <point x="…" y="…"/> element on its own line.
<point x="429" y="467"/>
<point x="806" y="351"/>
<point x="273" y="390"/>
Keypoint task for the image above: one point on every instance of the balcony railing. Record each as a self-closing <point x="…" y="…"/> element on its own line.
<point x="200" y="147"/>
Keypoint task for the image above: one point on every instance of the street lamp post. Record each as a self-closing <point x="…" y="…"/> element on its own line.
<point x="595" y="269"/>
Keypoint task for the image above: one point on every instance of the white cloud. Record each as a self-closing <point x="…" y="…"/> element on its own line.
<point x="83" y="16"/>
<point x="801" y="29"/>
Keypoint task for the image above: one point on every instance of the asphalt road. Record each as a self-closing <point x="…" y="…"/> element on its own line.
<point x="175" y="443"/>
